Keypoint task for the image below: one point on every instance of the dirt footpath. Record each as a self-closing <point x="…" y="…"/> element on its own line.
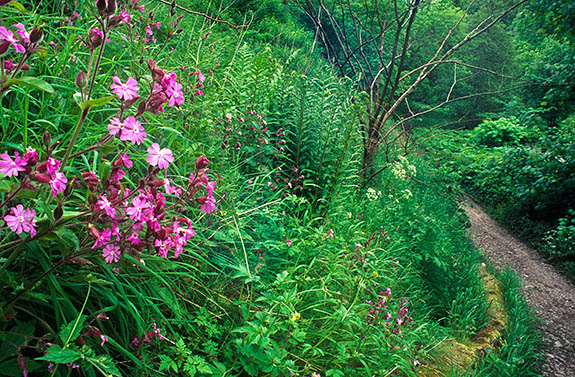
<point x="546" y="290"/>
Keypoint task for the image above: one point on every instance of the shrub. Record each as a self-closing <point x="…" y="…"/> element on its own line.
<point x="500" y="132"/>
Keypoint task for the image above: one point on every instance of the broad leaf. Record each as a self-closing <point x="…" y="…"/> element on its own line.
<point x="32" y="82"/>
<point x="58" y="355"/>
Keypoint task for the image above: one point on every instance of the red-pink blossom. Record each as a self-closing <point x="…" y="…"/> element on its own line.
<point x="136" y="211"/>
<point x="11" y="167"/>
<point x="58" y="183"/>
<point x="208" y="205"/>
<point x="133" y="131"/>
<point x="8" y="36"/>
<point x="22" y="33"/>
<point x="127" y="91"/>
<point x="103" y="238"/>
<point x="159" y="157"/>
<point x="111" y="254"/>
<point x="21" y="220"/>
<point x="116" y="126"/>
<point x="125" y="160"/>
<point x="104" y="204"/>
<point x="52" y="165"/>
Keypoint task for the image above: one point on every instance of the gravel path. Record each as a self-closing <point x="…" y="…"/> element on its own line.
<point x="546" y="290"/>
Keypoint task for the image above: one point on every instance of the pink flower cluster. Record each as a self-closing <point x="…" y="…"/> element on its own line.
<point x="147" y="336"/>
<point x="137" y="220"/>
<point x="19" y="219"/>
<point x="380" y="312"/>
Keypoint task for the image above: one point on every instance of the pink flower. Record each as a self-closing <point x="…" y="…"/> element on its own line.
<point x="133" y="131"/>
<point x="125" y="16"/>
<point x="11" y="167"/>
<point x="175" y="95"/>
<point x="125" y="159"/>
<point x="172" y="190"/>
<point x="134" y="239"/>
<point x="31" y="156"/>
<point x="103" y="337"/>
<point x="111" y="254"/>
<point x="163" y="246"/>
<point x="22" y="33"/>
<point x="21" y="220"/>
<point x="288" y="242"/>
<point x="208" y="205"/>
<point x="127" y="91"/>
<point x="52" y="165"/>
<point x="116" y="126"/>
<point x="103" y="238"/>
<point x="159" y="157"/>
<point x="136" y="211"/>
<point x="8" y="36"/>
<point x="58" y="183"/>
<point x="104" y="204"/>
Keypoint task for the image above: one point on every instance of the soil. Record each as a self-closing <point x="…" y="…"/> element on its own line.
<point x="544" y="288"/>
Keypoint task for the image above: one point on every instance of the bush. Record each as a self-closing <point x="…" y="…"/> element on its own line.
<point x="500" y="132"/>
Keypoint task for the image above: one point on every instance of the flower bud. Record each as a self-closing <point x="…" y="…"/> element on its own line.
<point x="152" y="64"/>
<point x="81" y="80"/>
<point x="39" y="177"/>
<point x="93" y="230"/>
<point x="114" y="21"/>
<point x="47" y="139"/>
<point x="25" y="67"/>
<point x="202" y="162"/>
<point x="58" y="212"/>
<point x="36" y="35"/>
<point x="112" y="7"/>
<point x="157" y="75"/>
<point x="173" y="8"/>
<point x="4" y="47"/>
<point x="102" y="7"/>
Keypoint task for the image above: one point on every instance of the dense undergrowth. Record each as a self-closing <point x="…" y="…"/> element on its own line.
<point x="178" y="198"/>
<point x="525" y="176"/>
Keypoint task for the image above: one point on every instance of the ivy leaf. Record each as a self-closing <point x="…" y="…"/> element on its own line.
<point x="59" y="355"/>
<point x="32" y="82"/>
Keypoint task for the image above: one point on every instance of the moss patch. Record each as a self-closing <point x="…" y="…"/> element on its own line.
<point x="455" y="356"/>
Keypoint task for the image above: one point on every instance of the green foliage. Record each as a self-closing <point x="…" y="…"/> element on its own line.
<point x="520" y="353"/>
<point x="500" y="132"/>
<point x="290" y="274"/>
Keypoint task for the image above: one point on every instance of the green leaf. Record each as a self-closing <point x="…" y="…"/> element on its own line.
<point x="32" y="82"/>
<point x="16" y="337"/>
<point x="96" y="102"/>
<point x="71" y="331"/>
<point x="18" y="6"/>
<point x="58" y="355"/>
<point x="104" y="364"/>
<point x="68" y="238"/>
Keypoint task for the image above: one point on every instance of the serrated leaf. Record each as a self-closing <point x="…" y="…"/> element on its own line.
<point x="59" y="355"/>
<point x="104" y="364"/>
<point x="31" y="82"/>
<point x="71" y="331"/>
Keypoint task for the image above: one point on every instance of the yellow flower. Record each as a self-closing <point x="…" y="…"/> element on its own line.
<point x="296" y="317"/>
<point x="374" y="274"/>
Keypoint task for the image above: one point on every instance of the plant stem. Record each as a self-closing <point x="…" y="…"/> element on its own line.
<point x="74" y="137"/>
